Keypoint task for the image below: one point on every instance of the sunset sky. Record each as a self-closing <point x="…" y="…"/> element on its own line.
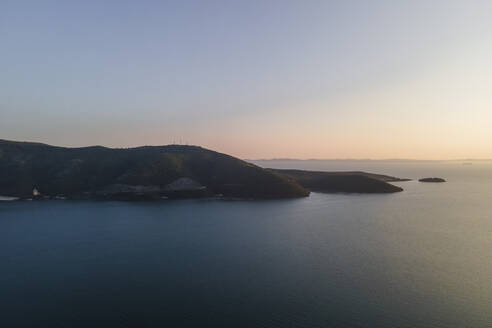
<point x="255" y="79"/>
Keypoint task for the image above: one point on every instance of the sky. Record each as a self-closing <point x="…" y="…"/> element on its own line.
<point x="254" y="79"/>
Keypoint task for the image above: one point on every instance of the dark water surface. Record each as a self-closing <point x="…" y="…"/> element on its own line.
<point x="420" y="258"/>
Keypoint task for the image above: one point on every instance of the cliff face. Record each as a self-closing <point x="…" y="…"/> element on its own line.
<point x="181" y="171"/>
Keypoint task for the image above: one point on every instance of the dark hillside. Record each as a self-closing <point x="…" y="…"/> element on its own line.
<point x="89" y="171"/>
<point x="349" y="182"/>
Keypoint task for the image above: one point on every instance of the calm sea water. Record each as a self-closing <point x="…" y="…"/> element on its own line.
<point x="420" y="258"/>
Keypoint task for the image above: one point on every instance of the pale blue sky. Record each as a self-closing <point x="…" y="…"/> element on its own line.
<point x="304" y="79"/>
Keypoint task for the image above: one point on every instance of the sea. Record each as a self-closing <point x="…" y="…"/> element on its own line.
<point x="418" y="258"/>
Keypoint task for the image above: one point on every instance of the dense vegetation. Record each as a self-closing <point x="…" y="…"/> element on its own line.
<point x="84" y="172"/>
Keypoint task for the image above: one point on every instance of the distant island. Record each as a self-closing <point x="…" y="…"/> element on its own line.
<point x="435" y="180"/>
<point x="35" y="170"/>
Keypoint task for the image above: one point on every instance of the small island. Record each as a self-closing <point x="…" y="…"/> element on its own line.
<point x="434" y="180"/>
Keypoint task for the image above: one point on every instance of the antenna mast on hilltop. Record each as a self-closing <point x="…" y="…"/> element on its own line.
<point x="179" y="141"/>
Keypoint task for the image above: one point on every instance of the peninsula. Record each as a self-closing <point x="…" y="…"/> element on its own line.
<point x="35" y="170"/>
<point x="347" y="182"/>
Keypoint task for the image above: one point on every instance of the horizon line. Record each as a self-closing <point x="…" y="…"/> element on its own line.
<point x="266" y="159"/>
<point x="374" y="159"/>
